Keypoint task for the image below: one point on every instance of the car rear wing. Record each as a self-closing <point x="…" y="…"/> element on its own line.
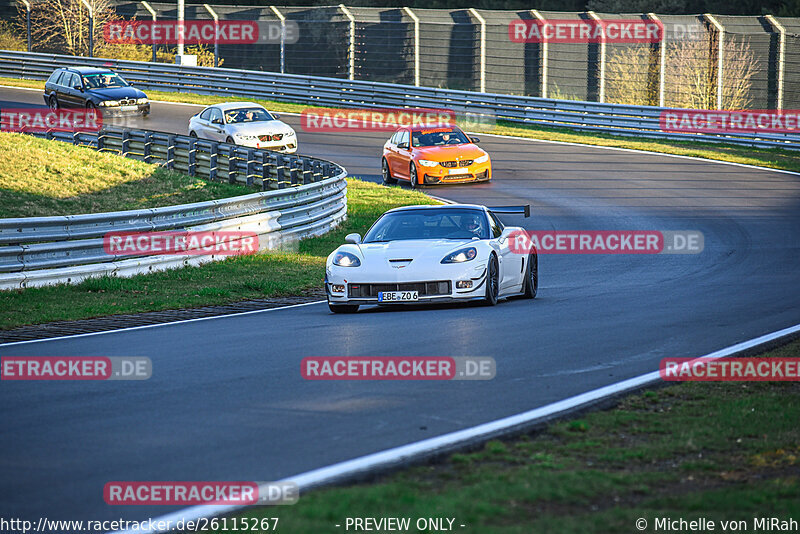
<point x="512" y="210"/>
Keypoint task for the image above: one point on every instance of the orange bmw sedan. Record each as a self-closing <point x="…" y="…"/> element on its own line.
<point x="434" y="156"/>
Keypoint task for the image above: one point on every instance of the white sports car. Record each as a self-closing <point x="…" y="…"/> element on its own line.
<point x="417" y="254"/>
<point x="246" y="124"/>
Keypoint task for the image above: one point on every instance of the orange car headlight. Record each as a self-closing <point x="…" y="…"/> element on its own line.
<point x="482" y="159"/>
<point x="428" y="163"/>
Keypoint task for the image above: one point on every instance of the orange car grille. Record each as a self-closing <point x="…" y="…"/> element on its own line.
<point x="454" y="164"/>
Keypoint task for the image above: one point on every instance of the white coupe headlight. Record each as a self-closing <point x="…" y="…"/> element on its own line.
<point x="482" y="159"/>
<point x="428" y="163"/>
<point x="290" y="134"/>
<point x="462" y="255"/>
<point x="345" y="259"/>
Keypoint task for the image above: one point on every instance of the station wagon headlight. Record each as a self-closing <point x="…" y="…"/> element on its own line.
<point x="428" y="163"/>
<point x="141" y="100"/>
<point x="482" y="159"/>
<point x="108" y="103"/>
<point x="462" y="255"/>
<point x="345" y="259"/>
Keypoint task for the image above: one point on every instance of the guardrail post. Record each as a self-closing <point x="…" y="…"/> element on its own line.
<point x="233" y="164"/>
<point x="76" y="139"/>
<point x="283" y="36"/>
<point x="251" y="160"/>
<point x="266" y="172"/>
<point x="720" y="32"/>
<point x="308" y="175"/>
<point x="781" y="57"/>
<point x="294" y="174"/>
<point x="352" y="48"/>
<point x="280" y="167"/>
<point x="601" y="91"/>
<point x="148" y="142"/>
<point x="192" y="169"/>
<point x="212" y="161"/>
<point x="415" y="18"/>
<point x="545" y="54"/>
<point x="153" y="15"/>
<point x="126" y="141"/>
<point x="317" y="176"/>
<point x="171" y="151"/>
<point x="483" y="47"/>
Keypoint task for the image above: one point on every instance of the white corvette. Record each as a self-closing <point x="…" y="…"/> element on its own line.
<point x="418" y="254"/>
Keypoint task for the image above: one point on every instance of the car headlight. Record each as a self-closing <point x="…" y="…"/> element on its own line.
<point x="462" y="255"/>
<point x="141" y="100"/>
<point x="428" y="163"/>
<point x="290" y="134"/>
<point x="245" y="137"/>
<point x="345" y="259"/>
<point x="108" y="103"/>
<point x="482" y="159"/>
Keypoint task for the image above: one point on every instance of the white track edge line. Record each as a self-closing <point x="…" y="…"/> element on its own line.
<point x="391" y="456"/>
<point x="141" y="327"/>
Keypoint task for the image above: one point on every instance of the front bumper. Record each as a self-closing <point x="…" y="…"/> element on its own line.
<point x="286" y="146"/>
<point x="117" y="111"/>
<point x="477" y="172"/>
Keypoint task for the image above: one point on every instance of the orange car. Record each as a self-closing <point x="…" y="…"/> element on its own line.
<point x="434" y="156"/>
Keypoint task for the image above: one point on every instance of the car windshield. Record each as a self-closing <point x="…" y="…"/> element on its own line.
<point x="438" y="137"/>
<point x="103" y="80"/>
<point x="450" y="223"/>
<point x="238" y="115"/>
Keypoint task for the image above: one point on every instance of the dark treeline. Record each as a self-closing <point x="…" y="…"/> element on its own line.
<point x="786" y="8"/>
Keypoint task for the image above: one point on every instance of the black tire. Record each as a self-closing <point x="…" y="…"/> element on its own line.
<point x="193" y="134"/>
<point x="492" y="281"/>
<point x="52" y="102"/>
<point x="387" y="175"/>
<point x="343" y="308"/>
<point x="531" y="283"/>
<point x="90" y="106"/>
<point x="412" y="175"/>
<point x="230" y="140"/>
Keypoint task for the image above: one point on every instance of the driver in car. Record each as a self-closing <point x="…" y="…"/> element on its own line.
<point x="472" y="224"/>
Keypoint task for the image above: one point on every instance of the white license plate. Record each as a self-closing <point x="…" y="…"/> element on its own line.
<point x="128" y="108"/>
<point x="398" y="296"/>
<point x="457" y="171"/>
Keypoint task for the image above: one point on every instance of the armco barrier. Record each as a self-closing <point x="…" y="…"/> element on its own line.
<point x="309" y="198"/>
<point x="638" y="121"/>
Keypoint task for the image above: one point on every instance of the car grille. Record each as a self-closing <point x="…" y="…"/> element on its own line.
<point x="425" y="289"/>
<point x="127" y="102"/>
<point x="454" y="164"/>
<point x="274" y="137"/>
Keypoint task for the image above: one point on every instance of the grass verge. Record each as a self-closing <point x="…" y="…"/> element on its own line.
<point x="772" y="158"/>
<point x="264" y="275"/>
<point x="719" y="451"/>
<point x="43" y="178"/>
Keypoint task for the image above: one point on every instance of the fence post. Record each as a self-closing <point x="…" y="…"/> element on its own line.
<point x="91" y="27"/>
<point x="781" y="57"/>
<point x="283" y="37"/>
<point x="662" y="52"/>
<point x="216" y="33"/>
<point x="601" y="92"/>
<point x="28" y="21"/>
<point x="483" y="46"/>
<point x="720" y="59"/>
<point x="415" y="18"/>
<point x="544" y="49"/>
<point x="153" y="15"/>
<point x="352" y="20"/>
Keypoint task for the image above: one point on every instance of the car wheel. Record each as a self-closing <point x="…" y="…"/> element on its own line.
<point x="52" y="102"/>
<point x="230" y="140"/>
<point x="531" y="282"/>
<point x="90" y="106"/>
<point x="413" y="178"/>
<point x="387" y="175"/>
<point x="492" y="281"/>
<point x="343" y="308"/>
<point x="193" y="134"/>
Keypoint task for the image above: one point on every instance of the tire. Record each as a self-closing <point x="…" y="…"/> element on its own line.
<point x="343" y="308"/>
<point x="387" y="175"/>
<point x="90" y="106"/>
<point x="193" y="134"/>
<point x="412" y="175"/>
<point x="52" y="102"/>
<point x="531" y="283"/>
<point x="492" y="281"/>
<point x="230" y="140"/>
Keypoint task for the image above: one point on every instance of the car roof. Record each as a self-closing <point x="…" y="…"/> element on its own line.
<point x="87" y="70"/>
<point x="476" y="207"/>
<point x="225" y="106"/>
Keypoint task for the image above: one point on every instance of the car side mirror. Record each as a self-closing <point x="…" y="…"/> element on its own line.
<point x="78" y="88"/>
<point x="402" y="145"/>
<point x="475" y="139"/>
<point x="276" y="116"/>
<point x="216" y="121"/>
<point x="355" y="239"/>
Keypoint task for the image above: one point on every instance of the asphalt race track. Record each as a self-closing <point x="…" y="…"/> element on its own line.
<point x="226" y="400"/>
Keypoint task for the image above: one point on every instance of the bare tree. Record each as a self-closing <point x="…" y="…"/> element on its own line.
<point x="63" y="25"/>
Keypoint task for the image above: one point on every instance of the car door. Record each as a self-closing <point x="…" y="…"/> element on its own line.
<point x="390" y="150"/>
<point x="201" y="124"/>
<point x="510" y="262"/>
<point x="65" y="92"/>
<point x="402" y="155"/>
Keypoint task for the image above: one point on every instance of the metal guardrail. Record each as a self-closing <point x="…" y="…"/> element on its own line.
<point x="638" y="121"/>
<point x="308" y="197"/>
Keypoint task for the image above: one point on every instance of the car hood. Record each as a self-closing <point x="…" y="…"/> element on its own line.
<point x="416" y="250"/>
<point x="450" y="152"/>
<point x="117" y="93"/>
<point x="259" y="128"/>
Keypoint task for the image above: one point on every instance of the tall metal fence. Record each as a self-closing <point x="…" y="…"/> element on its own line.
<point x="704" y="61"/>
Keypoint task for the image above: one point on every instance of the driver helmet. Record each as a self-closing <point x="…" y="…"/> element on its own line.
<point x="472" y="223"/>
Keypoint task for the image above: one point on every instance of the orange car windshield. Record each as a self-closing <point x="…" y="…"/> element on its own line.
<point x="438" y="138"/>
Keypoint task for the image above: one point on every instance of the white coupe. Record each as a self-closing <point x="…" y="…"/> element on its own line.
<point x="419" y="254"/>
<point x="246" y="124"/>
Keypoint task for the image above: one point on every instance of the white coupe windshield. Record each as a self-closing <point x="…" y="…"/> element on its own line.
<point x="239" y="115"/>
<point x="429" y="224"/>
